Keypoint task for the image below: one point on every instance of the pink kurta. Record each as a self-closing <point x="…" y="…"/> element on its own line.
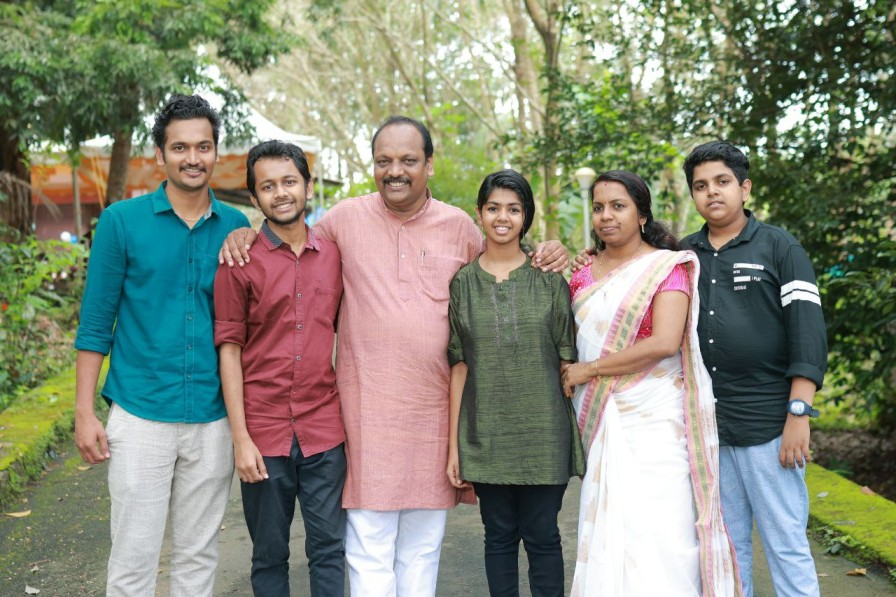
<point x="392" y="367"/>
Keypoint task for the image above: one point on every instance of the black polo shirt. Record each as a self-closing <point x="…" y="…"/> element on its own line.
<point x="760" y="325"/>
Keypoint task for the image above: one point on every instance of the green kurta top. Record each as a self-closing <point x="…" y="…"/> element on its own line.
<point x="516" y="426"/>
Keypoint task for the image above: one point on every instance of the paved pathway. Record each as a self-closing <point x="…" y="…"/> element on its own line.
<point x="61" y="547"/>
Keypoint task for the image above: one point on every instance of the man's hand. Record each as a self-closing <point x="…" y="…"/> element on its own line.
<point x="236" y="245"/>
<point x="550" y="256"/>
<point x="249" y="462"/>
<point x="90" y="438"/>
<point x="582" y="260"/>
<point x="795" y="443"/>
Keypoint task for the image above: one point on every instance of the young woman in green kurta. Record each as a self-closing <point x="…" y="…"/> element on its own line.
<point x="513" y="434"/>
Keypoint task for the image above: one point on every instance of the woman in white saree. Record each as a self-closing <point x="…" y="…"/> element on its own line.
<point x="650" y="521"/>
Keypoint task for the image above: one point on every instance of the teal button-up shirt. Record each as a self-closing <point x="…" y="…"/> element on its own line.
<point x="149" y="302"/>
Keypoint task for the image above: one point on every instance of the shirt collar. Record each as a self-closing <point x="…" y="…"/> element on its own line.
<point x="161" y="203"/>
<point x="275" y="242"/>
<point x="418" y="213"/>
<point x="744" y="235"/>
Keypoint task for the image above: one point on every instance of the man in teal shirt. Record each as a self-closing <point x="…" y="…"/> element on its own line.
<point x="148" y="301"/>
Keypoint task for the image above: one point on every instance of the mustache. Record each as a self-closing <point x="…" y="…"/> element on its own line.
<point x="391" y="179"/>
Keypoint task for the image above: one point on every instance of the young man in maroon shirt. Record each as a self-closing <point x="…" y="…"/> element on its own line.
<point x="274" y="326"/>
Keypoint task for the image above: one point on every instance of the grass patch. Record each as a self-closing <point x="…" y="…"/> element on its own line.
<point x="30" y="428"/>
<point x="851" y="522"/>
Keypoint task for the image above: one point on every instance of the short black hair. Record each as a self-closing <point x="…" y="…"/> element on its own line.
<point x="276" y="149"/>
<point x="515" y="182"/>
<point x="396" y="120"/>
<point x="184" y="107"/>
<point x="717" y="151"/>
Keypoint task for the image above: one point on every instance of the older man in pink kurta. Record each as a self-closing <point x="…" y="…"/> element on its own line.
<point x="401" y="249"/>
<point x="391" y="366"/>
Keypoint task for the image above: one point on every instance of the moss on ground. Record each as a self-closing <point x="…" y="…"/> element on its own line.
<point x="849" y="520"/>
<point x="29" y="430"/>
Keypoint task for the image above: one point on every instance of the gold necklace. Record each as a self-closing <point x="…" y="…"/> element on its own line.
<point x="196" y="219"/>
<point x="600" y="260"/>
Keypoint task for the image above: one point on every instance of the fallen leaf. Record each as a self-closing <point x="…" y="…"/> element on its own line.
<point x="823" y="494"/>
<point x="822" y="574"/>
<point x="31" y="590"/>
<point x="34" y="568"/>
<point x="867" y="490"/>
<point x="84" y="467"/>
<point x="857" y="572"/>
<point x="21" y="514"/>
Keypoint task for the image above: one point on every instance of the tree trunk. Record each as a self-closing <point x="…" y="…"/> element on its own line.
<point x="15" y="210"/>
<point x="118" y="165"/>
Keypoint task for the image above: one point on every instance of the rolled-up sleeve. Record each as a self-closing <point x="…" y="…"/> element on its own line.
<point x="106" y="271"/>
<point x="806" y="335"/>
<point x="231" y="306"/>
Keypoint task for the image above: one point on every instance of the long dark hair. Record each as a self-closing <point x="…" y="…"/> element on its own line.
<point x="656" y="234"/>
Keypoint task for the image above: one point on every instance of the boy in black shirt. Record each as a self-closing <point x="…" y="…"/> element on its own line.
<point x="762" y="337"/>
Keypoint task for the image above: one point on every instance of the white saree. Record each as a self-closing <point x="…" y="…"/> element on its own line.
<point x="650" y="521"/>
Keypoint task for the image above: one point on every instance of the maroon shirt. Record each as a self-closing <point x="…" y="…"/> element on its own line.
<point x="281" y="309"/>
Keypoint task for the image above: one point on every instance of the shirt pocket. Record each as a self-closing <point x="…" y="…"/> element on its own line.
<point x="206" y="268"/>
<point x="436" y="274"/>
<point x="326" y="305"/>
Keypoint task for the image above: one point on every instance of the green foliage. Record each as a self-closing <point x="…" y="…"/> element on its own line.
<point x="40" y="288"/>
<point x="462" y="160"/>
<point x="70" y="71"/>
<point x="807" y="88"/>
<point x="818" y="110"/>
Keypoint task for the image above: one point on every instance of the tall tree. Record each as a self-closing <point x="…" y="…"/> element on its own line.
<point x="69" y="70"/>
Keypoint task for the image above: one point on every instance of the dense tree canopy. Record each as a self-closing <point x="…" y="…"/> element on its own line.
<point x="73" y="70"/>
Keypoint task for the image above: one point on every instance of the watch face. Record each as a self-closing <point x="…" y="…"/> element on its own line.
<point x="797" y="408"/>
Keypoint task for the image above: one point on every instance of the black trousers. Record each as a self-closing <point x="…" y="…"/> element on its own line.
<point x="269" y="506"/>
<point x="527" y="512"/>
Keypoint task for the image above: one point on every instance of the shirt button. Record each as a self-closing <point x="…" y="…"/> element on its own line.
<point x="713" y="368"/>
<point x="712" y="312"/>
<point x="713" y="281"/>
<point x="711" y="340"/>
<point x="299" y="295"/>
<point x="298" y="327"/>
<point x="189" y="318"/>
<point x="189" y="289"/>
<point x="299" y="357"/>
<point x="402" y="256"/>
<point x="292" y="420"/>
<point x="190" y="260"/>
<point x="715" y="254"/>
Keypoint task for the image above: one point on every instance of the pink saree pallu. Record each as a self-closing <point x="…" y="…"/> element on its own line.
<point x="649" y="520"/>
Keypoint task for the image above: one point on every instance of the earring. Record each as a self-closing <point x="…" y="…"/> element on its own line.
<point x="642" y="228"/>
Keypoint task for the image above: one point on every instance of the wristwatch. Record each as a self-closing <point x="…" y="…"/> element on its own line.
<point x="799" y="408"/>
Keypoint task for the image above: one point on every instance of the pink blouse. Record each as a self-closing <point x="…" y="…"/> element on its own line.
<point x="676" y="280"/>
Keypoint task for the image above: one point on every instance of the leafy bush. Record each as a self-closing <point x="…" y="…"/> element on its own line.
<point x="41" y="283"/>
